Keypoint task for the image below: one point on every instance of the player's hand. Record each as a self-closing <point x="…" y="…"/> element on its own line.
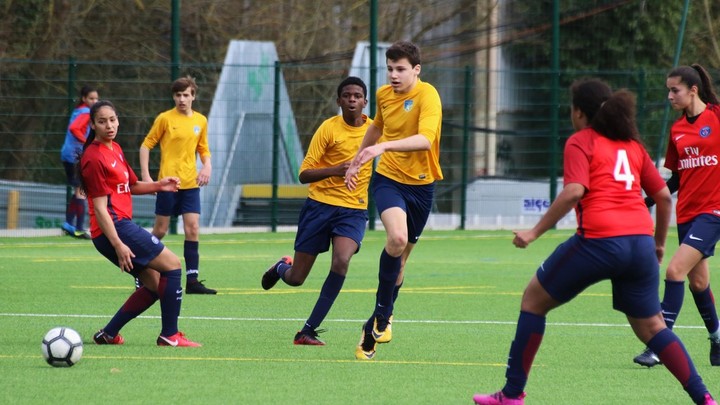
<point x="341" y="169"/>
<point x="203" y="177"/>
<point x="171" y="184"/>
<point x="660" y="253"/>
<point x="351" y="177"/>
<point x="125" y="256"/>
<point x="523" y="238"/>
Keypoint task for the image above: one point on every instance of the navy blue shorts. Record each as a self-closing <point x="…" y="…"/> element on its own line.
<point x="702" y="233"/>
<point x="415" y="200"/>
<point x="320" y="222"/>
<point x="171" y="204"/>
<point x="72" y="178"/>
<point x="142" y="243"/>
<point x="629" y="262"/>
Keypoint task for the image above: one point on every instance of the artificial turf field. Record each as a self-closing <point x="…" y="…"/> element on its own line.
<point x="454" y="321"/>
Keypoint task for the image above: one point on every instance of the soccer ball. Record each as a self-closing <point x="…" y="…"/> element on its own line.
<point x="62" y="347"/>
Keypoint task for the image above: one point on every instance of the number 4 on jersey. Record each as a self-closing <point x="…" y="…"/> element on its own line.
<point x="622" y="171"/>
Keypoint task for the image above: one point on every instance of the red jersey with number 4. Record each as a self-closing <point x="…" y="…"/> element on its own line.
<point x="613" y="174"/>
<point x="105" y="172"/>
<point x="693" y="152"/>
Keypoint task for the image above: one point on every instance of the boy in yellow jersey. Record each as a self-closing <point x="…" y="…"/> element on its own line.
<point x="182" y="135"/>
<point x="331" y="213"/>
<point x="406" y="132"/>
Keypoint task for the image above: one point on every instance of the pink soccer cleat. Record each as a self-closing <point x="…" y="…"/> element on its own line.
<point x="498" y="398"/>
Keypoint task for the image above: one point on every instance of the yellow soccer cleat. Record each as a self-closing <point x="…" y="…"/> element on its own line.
<point x="382" y="329"/>
<point x="365" y="349"/>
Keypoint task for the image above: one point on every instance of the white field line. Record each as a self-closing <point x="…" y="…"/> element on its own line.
<point x="408" y="321"/>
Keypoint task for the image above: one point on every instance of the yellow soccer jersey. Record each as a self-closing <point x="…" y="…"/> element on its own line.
<point x="333" y="143"/>
<point x="403" y="115"/>
<point x="181" y="138"/>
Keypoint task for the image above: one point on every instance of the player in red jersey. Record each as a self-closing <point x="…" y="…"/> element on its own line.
<point x="606" y="166"/>
<point x="692" y="156"/>
<point x="109" y="182"/>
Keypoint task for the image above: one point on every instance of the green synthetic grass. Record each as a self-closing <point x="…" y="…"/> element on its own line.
<point x="454" y="322"/>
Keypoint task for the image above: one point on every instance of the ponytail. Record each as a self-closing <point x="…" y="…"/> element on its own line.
<point x="706" y="90"/>
<point x="616" y="117"/>
<point x="697" y="76"/>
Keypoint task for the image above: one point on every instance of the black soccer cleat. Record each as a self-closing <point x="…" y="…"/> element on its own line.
<point x="648" y="358"/>
<point x="197" y="287"/>
<point x="714" y="352"/>
<point x="271" y="276"/>
<point x="309" y="338"/>
<point x="101" y="338"/>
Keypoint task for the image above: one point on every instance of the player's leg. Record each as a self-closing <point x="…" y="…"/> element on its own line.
<point x="555" y="282"/>
<point x="394" y="220"/>
<point x="140" y="243"/>
<point x="70" y="207"/>
<point x="699" y="279"/>
<point x="296" y="274"/>
<point x="343" y="250"/>
<point x="536" y="303"/>
<point x="188" y="205"/>
<point x="417" y="200"/>
<point x="315" y="226"/>
<point x="671" y="351"/>
<point x="685" y="260"/>
<point x="170" y="294"/>
<point x="79" y="202"/>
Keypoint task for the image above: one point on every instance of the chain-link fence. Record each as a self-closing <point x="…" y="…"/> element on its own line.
<point x="498" y="147"/>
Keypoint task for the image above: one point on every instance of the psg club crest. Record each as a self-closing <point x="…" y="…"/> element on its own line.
<point x="408" y="105"/>
<point x="196" y="129"/>
<point x="705" y="132"/>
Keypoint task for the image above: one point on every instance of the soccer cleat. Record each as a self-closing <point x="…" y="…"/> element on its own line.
<point x="176" y="340"/>
<point x="714" y="352"/>
<point x="68" y="229"/>
<point x="498" y="398"/>
<point x="271" y="276"/>
<point x="308" y="338"/>
<point x="101" y="338"/>
<point x="647" y="358"/>
<point x="709" y="400"/>
<point x="365" y="350"/>
<point x="80" y="234"/>
<point x="382" y="329"/>
<point x="197" y="287"/>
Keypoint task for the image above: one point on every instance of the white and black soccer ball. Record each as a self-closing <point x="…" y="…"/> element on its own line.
<point x="62" y="347"/>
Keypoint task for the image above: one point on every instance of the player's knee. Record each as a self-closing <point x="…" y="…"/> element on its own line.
<point x="676" y="273"/>
<point x="396" y="244"/>
<point x="159" y="233"/>
<point x="192" y="231"/>
<point x="294" y="281"/>
<point x="698" y="284"/>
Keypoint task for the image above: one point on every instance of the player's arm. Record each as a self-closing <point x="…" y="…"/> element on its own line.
<point x="313" y="175"/>
<point x="147" y="187"/>
<point x="204" y="175"/>
<point x="673" y="184"/>
<point x="568" y="198"/>
<point x="78" y="128"/>
<point x="372" y="135"/>
<point x="105" y="222"/>
<point x="144" y="157"/>
<point x="663" y="199"/>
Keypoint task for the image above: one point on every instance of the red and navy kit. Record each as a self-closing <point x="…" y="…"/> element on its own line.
<point x="106" y="172"/>
<point x="693" y="152"/>
<point x="613" y="173"/>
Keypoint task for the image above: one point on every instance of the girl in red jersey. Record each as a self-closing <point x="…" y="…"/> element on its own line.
<point x="605" y="168"/>
<point x="109" y="183"/>
<point x="692" y="156"/>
